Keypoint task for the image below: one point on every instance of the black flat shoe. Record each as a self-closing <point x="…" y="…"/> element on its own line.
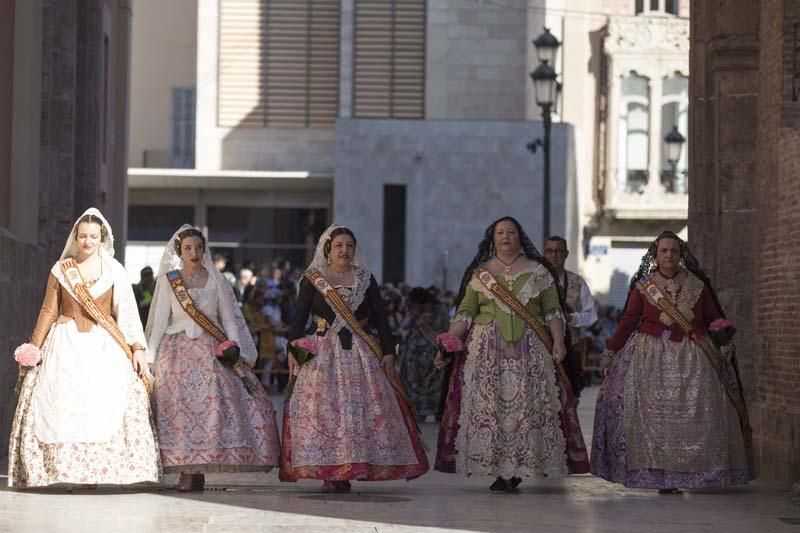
<point x="515" y="481"/>
<point x="669" y="491"/>
<point x="499" y="485"/>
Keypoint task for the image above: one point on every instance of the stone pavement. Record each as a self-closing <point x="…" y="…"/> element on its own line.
<point x="435" y="502"/>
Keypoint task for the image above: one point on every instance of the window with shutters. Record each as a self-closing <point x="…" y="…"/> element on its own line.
<point x="182" y="127"/>
<point x="278" y="63"/>
<point x="389" y="59"/>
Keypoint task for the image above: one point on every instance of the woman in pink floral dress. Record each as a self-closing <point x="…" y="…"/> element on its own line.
<point x="347" y="417"/>
<point x="209" y="415"/>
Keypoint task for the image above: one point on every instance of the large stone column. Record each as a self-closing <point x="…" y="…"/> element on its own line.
<point x="723" y="107"/>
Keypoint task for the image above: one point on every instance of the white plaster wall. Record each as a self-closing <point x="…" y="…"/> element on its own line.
<point x="460" y="176"/>
<point x="163" y="56"/>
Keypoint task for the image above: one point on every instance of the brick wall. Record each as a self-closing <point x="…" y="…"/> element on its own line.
<point x="744" y="220"/>
<point x="778" y="299"/>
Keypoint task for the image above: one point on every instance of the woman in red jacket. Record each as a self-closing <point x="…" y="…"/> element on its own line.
<point x="670" y="414"/>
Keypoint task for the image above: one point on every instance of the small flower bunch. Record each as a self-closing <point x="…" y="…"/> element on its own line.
<point x="449" y="344"/>
<point x="449" y="347"/>
<point x="721" y="332"/>
<point x="227" y="353"/>
<point x="303" y="348"/>
<point x="27" y="355"/>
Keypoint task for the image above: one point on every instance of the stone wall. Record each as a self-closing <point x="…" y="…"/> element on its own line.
<point x="476" y="66"/>
<point x="57" y="77"/>
<point x="459" y="177"/>
<point x="744" y="221"/>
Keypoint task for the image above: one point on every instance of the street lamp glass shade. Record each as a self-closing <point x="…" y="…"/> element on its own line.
<point x="674" y="141"/>
<point x="546" y="47"/>
<point x="544" y="84"/>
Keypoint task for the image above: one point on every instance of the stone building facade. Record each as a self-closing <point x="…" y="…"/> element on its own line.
<point x="743" y="202"/>
<point x="63" y="145"/>
<point x="278" y="146"/>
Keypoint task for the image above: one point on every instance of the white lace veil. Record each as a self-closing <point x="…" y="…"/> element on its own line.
<point x="170" y="260"/>
<point x="320" y="262"/>
<point x="106" y="247"/>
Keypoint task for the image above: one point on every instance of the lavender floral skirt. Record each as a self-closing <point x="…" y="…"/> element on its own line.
<point x="663" y="420"/>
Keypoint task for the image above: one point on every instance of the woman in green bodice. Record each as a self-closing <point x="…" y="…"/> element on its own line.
<point x="509" y="414"/>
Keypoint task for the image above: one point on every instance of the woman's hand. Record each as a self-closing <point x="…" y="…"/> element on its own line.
<point x="605" y="363"/>
<point x="387" y="362"/>
<point x="438" y="361"/>
<point x="140" y="364"/>
<point x="559" y="351"/>
<point x="294" y="366"/>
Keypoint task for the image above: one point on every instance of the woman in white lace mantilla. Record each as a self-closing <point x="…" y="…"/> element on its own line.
<point x="212" y="414"/>
<point x="347" y="417"/>
<point x="507" y="413"/>
<point x="83" y="415"/>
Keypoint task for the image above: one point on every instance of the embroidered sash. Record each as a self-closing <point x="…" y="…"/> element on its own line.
<point x="182" y="294"/>
<point x="342" y="309"/>
<point x="662" y="302"/>
<point x="73" y="276"/>
<point x="503" y="294"/>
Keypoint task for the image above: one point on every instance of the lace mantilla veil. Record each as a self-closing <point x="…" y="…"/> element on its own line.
<point x="321" y="263"/>
<point x="106" y="247"/>
<point x="170" y="260"/>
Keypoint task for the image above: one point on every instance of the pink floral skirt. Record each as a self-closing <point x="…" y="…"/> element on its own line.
<point x="347" y="420"/>
<point x="206" y="419"/>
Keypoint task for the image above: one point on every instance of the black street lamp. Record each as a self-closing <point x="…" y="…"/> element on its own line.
<point x="674" y="141"/>
<point x="545" y="87"/>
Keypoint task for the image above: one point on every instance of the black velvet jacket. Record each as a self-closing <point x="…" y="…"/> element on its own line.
<point x="311" y="301"/>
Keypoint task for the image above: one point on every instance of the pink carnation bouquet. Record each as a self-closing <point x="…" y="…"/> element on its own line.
<point x="721" y="332"/>
<point x="227" y="353"/>
<point x="27" y="356"/>
<point x="449" y="343"/>
<point x="302" y="349"/>
<point x="307" y="344"/>
<point x="449" y="346"/>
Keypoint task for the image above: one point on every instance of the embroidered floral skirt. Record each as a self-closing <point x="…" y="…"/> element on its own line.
<point x="130" y="455"/>
<point x="663" y="420"/>
<point x="206" y="419"/>
<point x="507" y="413"/>
<point x="346" y="420"/>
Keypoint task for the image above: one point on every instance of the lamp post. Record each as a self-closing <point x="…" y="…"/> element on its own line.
<point x="674" y="141"/>
<point x="545" y="86"/>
